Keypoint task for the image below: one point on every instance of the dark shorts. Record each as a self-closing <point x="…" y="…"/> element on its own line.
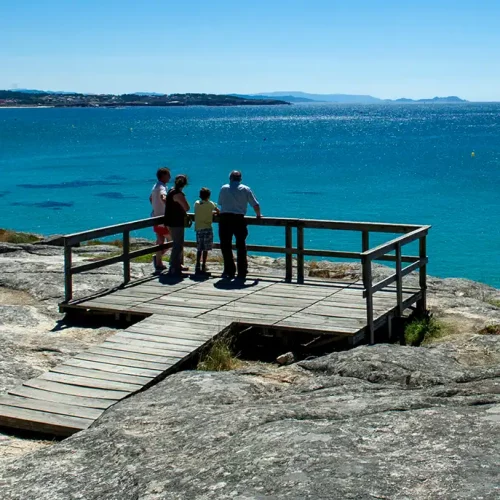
<point x="204" y="239"/>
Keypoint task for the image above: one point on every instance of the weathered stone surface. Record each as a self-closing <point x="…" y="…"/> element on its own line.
<point x="331" y="431"/>
<point x="56" y="240"/>
<point x="33" y="335"/>
<point x="374" y="422"/>
<point x="38" y="270"/>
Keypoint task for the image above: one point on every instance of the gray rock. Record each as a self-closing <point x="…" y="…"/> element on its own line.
<point x="96" y="249"/>
<point x="38" y="270"/>
<point x="56" y="240"/>
<point x="331" y="431"/>
<point x="32" y="341"/>
<point x="285" y="359"/>
<point x="143" y="242"/>
<point x="8" y="247"/>
<point x="375" y="422"/>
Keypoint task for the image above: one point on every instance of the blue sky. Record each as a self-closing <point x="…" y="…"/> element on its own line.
<point x="389" y="49"/>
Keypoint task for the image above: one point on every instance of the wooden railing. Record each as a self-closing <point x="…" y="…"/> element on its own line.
<point x="367" y="255"/>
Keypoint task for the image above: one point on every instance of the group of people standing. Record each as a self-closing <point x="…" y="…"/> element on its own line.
<point x="231" y="208"/>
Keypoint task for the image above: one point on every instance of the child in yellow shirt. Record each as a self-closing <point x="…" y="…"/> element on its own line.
<point x="204" y="210"/>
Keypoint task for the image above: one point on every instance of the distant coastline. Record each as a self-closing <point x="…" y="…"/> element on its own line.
<point x="39" y="99"/>
<point x="304" y="97"/>
<point x="20" y="98"/>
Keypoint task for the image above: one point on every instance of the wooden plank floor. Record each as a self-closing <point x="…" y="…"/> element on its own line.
<point x="180" y="318"/>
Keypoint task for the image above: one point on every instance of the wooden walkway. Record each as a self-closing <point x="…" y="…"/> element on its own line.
<point x="179" y="319"/>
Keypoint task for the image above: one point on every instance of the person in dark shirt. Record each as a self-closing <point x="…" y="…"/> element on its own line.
<point x="176" y="207"/>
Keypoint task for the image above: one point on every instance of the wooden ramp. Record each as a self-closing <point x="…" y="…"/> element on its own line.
<point x="180" y="317"/>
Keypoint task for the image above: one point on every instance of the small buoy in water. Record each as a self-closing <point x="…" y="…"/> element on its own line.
<point x="472" y="155"/>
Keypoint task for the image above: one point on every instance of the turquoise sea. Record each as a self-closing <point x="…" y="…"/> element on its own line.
<point x="65" y="170"/>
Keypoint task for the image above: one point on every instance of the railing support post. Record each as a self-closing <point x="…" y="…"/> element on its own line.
<point x="365" y="241"/>
<point x="68" y="276"/>
<point x="126" y="258"/>
<point x="300" y="253"/>
<point x="367" y="284"/>
<point x="399" y="280"/>
<point x="422" y="303"/>
<point x="288" y="256"/>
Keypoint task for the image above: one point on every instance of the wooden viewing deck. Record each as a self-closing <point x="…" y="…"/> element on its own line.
<point x="179" y="317"/>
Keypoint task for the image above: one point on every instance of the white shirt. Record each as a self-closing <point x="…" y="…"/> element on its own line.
<point x="158" y="190"/>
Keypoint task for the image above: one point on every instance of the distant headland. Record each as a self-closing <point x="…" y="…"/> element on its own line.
<point x="304" y="97"/>
<point x="61" y="99"/>
<point x="38" y="98"/>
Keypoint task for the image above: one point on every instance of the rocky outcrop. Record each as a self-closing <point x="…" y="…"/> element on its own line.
<point x="386" y="421"/>
<point x="350" y="425"/>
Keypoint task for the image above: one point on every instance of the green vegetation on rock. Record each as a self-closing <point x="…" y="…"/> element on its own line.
<point x="490" y="330"/>
<point x="219" y="357"/>
<point x="493" y="302"/>
<point x="114" y="243"/>
<point x="423" y="330"/>
<point x="7" y="236"/>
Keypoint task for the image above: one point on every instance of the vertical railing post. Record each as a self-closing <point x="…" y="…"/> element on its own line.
<point x="68" y="276"/>
<point x="126" y="258"/>
<point x="367" y="284"/>
<point x="365" y="241"/>
<point x="300" y="253"/>
<point x="288" y="256"/>
<point x="422" y="303"/>
<point x="399" y="280"/>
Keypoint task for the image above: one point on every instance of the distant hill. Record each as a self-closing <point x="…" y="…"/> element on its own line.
<point x="287" y="98"/>
<point x="46" y="92"/>
<point x="341" y="98"/>
<point x="349" y="98"/>
<point x="438" y="100"/>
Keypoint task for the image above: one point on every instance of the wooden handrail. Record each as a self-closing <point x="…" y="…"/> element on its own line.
<point x="390" y="246"/>
<point x="102" y="232"/>
<point x="379" y="253"/>
<point x="367" y="255"/>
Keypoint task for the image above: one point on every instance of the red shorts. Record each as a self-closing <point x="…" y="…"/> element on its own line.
<point x="162" y="231"/>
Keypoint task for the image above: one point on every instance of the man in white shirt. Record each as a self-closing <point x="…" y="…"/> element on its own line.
<point x="157" y="199"/>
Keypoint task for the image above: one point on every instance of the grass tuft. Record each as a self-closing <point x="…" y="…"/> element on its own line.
<point x="219" y="357"/>
<point x="148" y="259"/>
<point x="94" y="257"/>
<point x="7" y="236"/>
<point x="423" y="331"/>
<point x="490" y="330"/>
<point x="143" y="259"/>
<point x="114" y="243"/>
<point x="216" y="258"/>
<point x="493" y="302"/>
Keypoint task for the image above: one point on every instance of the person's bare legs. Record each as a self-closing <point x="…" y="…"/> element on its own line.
<point x="159" y="255"/>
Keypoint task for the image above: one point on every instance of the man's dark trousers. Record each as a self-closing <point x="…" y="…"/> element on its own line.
<point x="233" y="225"/>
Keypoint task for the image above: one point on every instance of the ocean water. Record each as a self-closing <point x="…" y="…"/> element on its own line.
<point x="65" y="170"/>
